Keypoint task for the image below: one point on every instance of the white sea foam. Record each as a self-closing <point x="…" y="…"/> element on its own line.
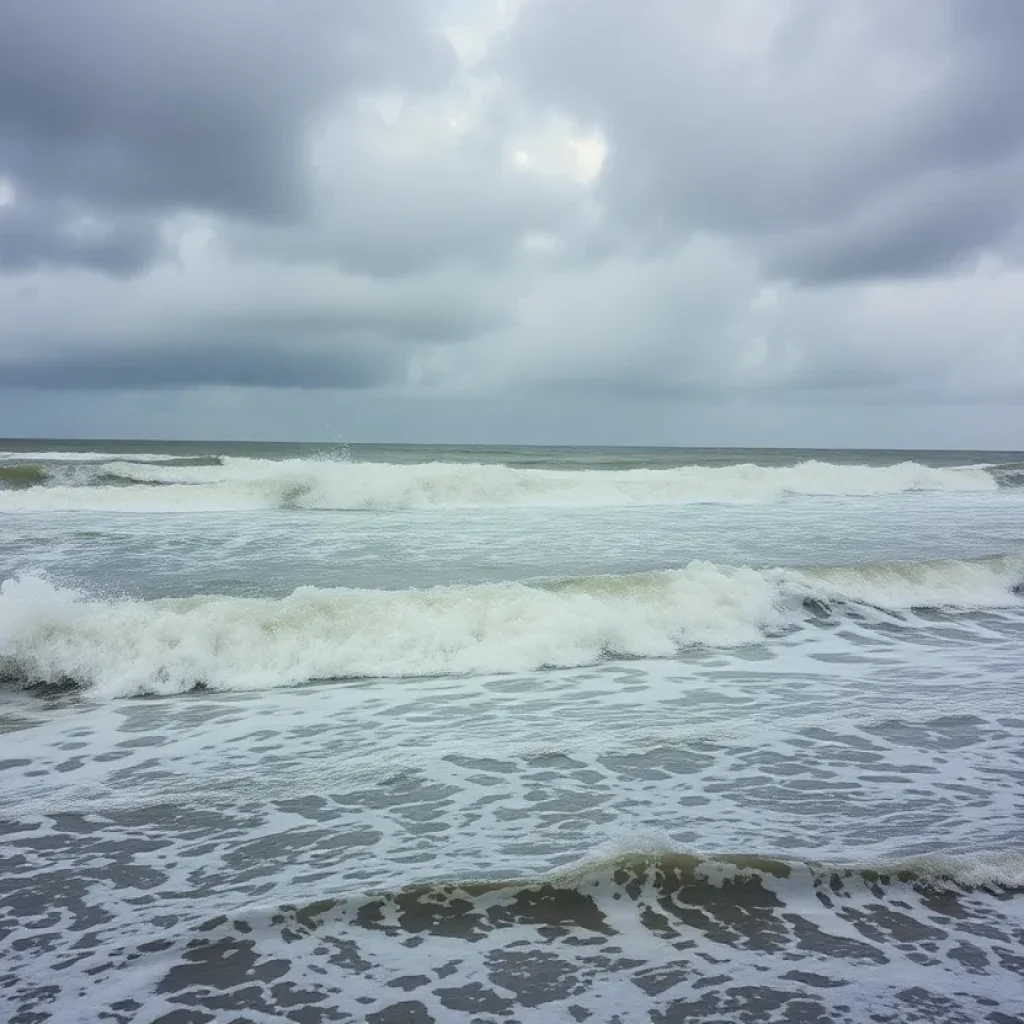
<point x="119" y="647"/>
<point x="969" y="583"/>
<point x="985" y="868"/>
<point x="47" y="456"/>
<point x="255" y="484"/>
<point x="996" y="868"/>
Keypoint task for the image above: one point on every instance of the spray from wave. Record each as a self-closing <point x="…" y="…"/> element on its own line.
<point x="52" y="636"/>
<point x="240" y="484"/>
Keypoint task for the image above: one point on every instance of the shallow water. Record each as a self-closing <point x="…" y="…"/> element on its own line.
<point x="714" y="757"/>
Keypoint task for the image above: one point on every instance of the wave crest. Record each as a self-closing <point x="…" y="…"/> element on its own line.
<point x="574" y="894"/>
<point x="53" y="636"/>
<point x="241" y="484"/>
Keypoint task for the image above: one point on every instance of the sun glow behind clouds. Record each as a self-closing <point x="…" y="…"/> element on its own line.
<point x="560" y="148"/>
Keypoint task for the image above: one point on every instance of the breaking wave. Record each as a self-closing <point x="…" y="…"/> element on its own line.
<point x="657" y="936"/>
<point x="141" y="484"/>
<point x="52" y="636"/>
<point x="667" y="874"/>
<point x="22" y="476"/>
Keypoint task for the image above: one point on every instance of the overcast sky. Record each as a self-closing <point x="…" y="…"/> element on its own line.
<point x="586" y="221"/>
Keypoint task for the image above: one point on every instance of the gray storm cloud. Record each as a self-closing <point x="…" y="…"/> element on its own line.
<point x="189" y="104"/>
<point x="842" y="140"/>
<point x="470" y="204"/>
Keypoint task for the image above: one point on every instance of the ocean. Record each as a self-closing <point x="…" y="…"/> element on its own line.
<point x="323" y="733"/>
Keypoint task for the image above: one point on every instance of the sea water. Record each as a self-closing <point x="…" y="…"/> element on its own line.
<point x="409" y="734"/>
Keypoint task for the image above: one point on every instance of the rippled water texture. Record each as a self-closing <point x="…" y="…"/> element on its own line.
<point x="408" y="735"/>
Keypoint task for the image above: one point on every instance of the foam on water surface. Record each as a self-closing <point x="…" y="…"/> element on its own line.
<point x="54" y="636"/>
<point x="608" y="736"/>
<point x="255" y="484"/>
<point x="675" y="843"/>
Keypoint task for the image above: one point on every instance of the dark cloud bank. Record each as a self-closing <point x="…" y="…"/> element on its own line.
<point x="259" y="193"/>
